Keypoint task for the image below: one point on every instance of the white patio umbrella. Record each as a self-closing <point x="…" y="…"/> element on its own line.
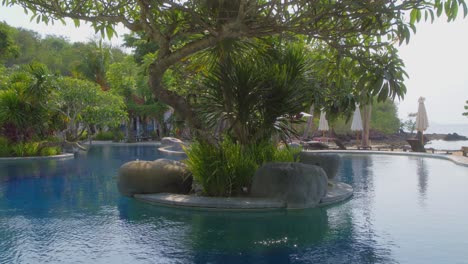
<point x="422" y="123"/>
<point x="356" y="124"/>
<point x="323" y="123"/>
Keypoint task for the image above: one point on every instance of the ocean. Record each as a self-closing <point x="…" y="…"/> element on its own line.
<point x="460" y="129"/>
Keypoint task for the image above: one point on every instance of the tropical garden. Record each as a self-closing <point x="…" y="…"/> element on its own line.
<point x="236" y="73"/>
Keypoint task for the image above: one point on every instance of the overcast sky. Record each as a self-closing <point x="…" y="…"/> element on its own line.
<point x="436" y="61"/>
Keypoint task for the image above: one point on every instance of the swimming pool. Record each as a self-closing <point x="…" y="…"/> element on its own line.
<point x="404" y="210"/>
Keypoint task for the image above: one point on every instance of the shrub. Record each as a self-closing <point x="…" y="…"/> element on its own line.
<point x="118" y="136"/>
<point x="224" y="169"/>
<point x="5" y="149"/>
<point x="25" y="149"/>
<point x="50" y="151"/>
<point x="104" y="135"/>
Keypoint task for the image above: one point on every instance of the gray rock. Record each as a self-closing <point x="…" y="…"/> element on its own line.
<point x="162" y="175"/>
<point x="299" y="185"/>
<point x="173" y="144"/>
<point x="329" y="162"/>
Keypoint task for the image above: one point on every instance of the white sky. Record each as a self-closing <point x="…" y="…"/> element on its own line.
<point x="436" y="61"/>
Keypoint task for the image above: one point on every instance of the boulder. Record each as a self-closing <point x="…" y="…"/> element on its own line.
<point x="329" y="162"/>
<point x="173" y="144"/>
<point x="299" y="185"/>
<point x="162" y="175"/>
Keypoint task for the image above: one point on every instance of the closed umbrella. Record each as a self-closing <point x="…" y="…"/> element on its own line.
<point x="422" y="123"/>
<point x="356" y="124"/>
<point x="323" y="123"/>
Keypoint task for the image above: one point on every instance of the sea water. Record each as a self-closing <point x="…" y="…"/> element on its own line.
<point x="460" y="129"/>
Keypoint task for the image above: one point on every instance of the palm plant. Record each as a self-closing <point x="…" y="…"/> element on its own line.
<point x="23" y="110"/>
<point x="258" y="93"/>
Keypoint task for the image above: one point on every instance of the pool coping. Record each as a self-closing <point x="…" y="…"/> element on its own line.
<point x="54" y="157"/>
<point x="337" y="193"/>
<point x="459" y="160"/>
<point x="111" y="143"/>
<point x="167" y="150"/>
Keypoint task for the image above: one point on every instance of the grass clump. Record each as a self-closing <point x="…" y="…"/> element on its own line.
<point x="104" y="135"/>
<point x="224" y="169"/>
<point x="25" y="149"/>
<point x="5" y="149"/>
<point x="50" y="151"/>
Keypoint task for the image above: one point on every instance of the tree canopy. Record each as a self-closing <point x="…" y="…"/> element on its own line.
<point x="360" y="33"/>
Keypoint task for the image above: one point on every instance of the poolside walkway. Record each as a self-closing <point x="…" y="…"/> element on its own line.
<point x="456" y="156"/>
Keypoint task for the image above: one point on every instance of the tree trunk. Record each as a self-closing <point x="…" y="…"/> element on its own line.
<point x="309" y="122"/>
<point x="156" y="71"/>
<point x="130" y="134"/>
<point x="366" y="113"/>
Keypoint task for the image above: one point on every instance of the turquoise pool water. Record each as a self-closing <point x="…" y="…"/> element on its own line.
<point x="405" y="210"/>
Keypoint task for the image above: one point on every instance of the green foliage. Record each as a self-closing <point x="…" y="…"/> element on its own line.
<point x="5" y="150"/>
<point x="141" y="45"/>
<point x="385" y="117"/>
<point x="25" y="149"/>
<point x="50" y="151"/>
<point x="23" y="102"/>
<point x="7" y="45"/>
<point x="359" y="60"/>
<point x="104" y="135"/>
<point x="224" y="169"/>
<point x="257" y="97"/>
<point x="114" y="135"/>
<point x="83" y="102"/>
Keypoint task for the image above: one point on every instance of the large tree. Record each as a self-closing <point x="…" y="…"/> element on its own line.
<point x="354" y="29"/>
<point x="7" y="45"/>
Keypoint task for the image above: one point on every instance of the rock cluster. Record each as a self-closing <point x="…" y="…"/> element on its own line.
<point x="299" y="185"/>
<point x="162" y="175"/>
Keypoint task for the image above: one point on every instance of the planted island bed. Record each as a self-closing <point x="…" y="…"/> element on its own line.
<point x="275" y="185"/>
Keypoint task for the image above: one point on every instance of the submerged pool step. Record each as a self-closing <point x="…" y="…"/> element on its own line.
<point x="338" y="192"/>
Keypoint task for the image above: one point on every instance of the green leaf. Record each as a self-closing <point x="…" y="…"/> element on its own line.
<point x="454" y="9"/>
<point x="109" y="32"/>
<point x="413" y="16"/>
<point x="76" y="22"/>
<point x="447" y="9"/>
<point x="439" y="10"/>
<point x="465" y="9"/>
